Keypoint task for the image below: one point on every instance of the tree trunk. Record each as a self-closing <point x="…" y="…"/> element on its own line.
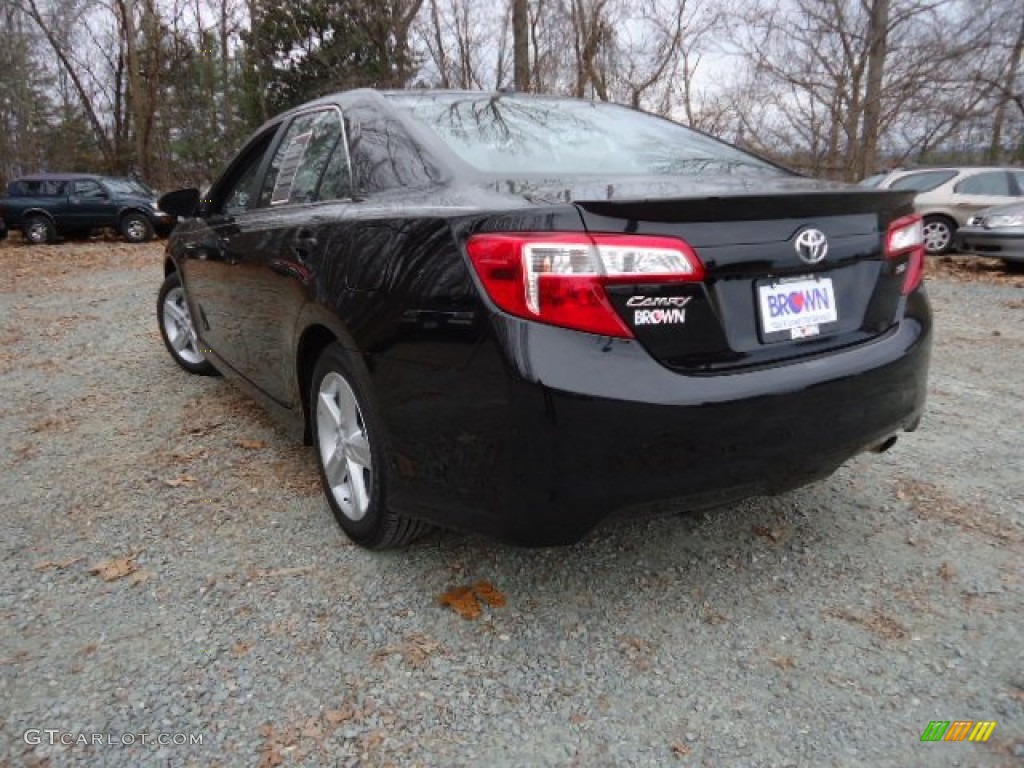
<point x="878" y="50"/>
<point x="521" y="44"/>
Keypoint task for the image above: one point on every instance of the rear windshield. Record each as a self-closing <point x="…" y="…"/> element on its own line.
<point x="507" y="134"/>
<point x="923" y="182"/>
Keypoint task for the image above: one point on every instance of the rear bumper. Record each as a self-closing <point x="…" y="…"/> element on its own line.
<point x="1001" y="244"/>
<point x="537" y="447"/>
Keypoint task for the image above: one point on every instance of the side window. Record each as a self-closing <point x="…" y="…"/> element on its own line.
<point x="234" y="194"/>
<point x="336" y="183"/>
<point x="88" y="190"/>
<point x="301" y="158"/>
<point x="996" y="183"/>
<point x="1019" y="177"/>
<point x="383" y="155"/>
<point x="923" y="182"/>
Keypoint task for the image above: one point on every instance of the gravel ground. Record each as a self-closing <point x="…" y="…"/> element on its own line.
<point x="169" y="567"/>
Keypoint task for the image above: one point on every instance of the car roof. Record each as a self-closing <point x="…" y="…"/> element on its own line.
<point x="58" y="176"/>
<point x="957" y="168"/>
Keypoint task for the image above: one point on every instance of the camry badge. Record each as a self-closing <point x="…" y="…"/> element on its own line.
<point x="811" y="246"/>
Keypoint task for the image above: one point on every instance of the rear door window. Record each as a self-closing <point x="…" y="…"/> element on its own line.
<point x="301" y="159"/>
<point x="992" y="184"/>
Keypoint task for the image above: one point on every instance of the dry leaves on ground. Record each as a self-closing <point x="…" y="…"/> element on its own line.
<point x="877" y="622"/>
<point x="465" y="601"/>
<point x="251" y="445"/>
<point x="58" y="565"/>
<point x="120" y="567"/>
<point x="186" y="481"/>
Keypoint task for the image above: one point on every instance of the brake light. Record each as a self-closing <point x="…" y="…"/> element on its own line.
<point x="906" y="238"/>
<point x="559" y="277"/>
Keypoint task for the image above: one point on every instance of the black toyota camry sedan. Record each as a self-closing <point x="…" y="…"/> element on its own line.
<point x="520" y="314"/>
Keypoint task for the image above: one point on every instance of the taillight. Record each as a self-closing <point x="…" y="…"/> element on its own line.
<point x="559" y="277"/>
<point x="906" y="238"/>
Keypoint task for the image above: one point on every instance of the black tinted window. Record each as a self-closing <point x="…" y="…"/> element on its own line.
<point x="89" y="190"/>
<point x="383" y="155"/>
<point x="38" y="188"/>
<point x="512" y="134"/>
<point x="924" y="181"/>
<point x="995" y="183"/>
<point x="236" y="191"/>
<point x="301" y="158"/>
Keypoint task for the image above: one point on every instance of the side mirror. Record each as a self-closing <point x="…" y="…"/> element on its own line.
<point x="182" y="203"/>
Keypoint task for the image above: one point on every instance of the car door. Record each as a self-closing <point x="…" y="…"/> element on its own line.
<point x="90" y="205"/>
<point x="273" y="249"/>
<point x="205" y="252"/>
<point x="982" y="190"/>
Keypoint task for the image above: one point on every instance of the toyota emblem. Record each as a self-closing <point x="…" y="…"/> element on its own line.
<point x="811" y="246"/>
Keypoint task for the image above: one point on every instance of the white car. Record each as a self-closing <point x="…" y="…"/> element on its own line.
<point x="947" y="198"/>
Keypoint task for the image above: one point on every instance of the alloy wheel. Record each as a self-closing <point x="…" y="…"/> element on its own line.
<point x="344" y="446"/>
<point x="179" y="329"/>
<point x="135" y="230"/>
<point x="37" y="232"/>
<point x="937" y="236"/>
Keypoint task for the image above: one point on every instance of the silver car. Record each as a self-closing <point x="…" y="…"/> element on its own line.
<point x="997" y="232"/>
<point x="947" y="198"/>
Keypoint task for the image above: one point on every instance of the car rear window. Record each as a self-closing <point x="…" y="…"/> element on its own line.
<point x="505" y="133"/>
<point x="925" y="181"/>
<point x="993" y="183"/>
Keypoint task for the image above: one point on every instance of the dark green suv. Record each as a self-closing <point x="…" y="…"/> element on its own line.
<point x="47" y="206"/>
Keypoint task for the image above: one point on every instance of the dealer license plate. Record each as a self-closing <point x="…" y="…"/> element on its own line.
<point x="797" y="308"/>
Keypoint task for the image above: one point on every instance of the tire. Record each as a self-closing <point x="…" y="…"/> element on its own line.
<point x="349" y="444"/>
<point x="136" y="228"/>
<point x="39" y="230"/>
<point x="1014" y="266"/>
<point x="177" y="330"/>
<point x="938" y="235"/>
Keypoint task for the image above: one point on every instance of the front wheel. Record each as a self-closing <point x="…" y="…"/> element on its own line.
<point x="349" y="446"/>
<point x="177" y="330"/>
<point x="135" y="228"/>
<point x="938" y="235"/>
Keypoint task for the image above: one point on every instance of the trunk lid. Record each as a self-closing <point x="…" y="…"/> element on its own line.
<point x="794" y="266"/>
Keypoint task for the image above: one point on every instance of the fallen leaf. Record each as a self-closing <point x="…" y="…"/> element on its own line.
<point x="279" y="572"/>
<point x="180" y="480"/>
<point x="462" y="601"/>
<point x="116" y="568"/>
<point x="489" y="594"/>
<point x="240" y="649"/>
<point x="139" y="577"/>
<point x="251" y="445"/>
<point x="947" y="572"/>
<point x="59" y="565"/>
<point x="204" y="429"/>
<point x="783" y="662"/>
<point x="680" y="750"/>
<point x="335" y="716"/>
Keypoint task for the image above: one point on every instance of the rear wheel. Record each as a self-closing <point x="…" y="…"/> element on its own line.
<point x="177" y="330"/>
<point x="39" y="230"/>
<point x="135" y="228"/>
<point x="348" y="441"/>
<point x="1013" y="266"/>
<point x="938" y="235"/>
